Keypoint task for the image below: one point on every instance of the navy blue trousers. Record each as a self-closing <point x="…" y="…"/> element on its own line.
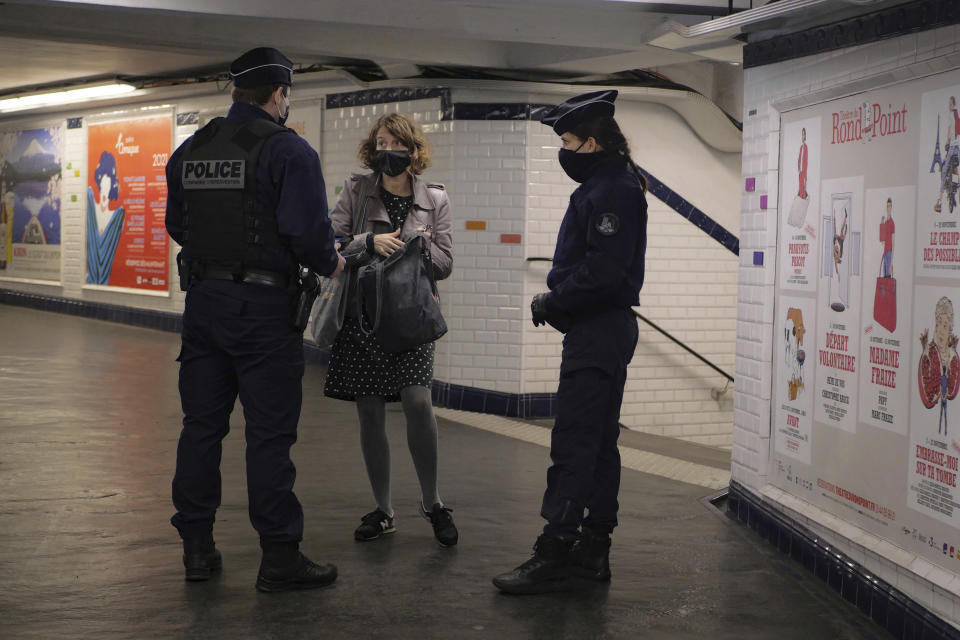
<point x="237" y="340"/>
<point x="585" y="474"/>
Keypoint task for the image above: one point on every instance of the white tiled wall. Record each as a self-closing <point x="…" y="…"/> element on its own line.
<point x="506" y="174"/>
<point x="793" y="83"/>
<point x="690" y="285"/>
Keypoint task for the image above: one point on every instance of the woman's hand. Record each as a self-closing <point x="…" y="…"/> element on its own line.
<point x="386" y="243"/>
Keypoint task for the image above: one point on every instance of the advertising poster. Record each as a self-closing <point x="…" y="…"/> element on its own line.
<point x="882" y="450"/>
<point x="30" y="204"/>
<point x="938" y="232"/>
<point x="126" y="241"/>
<point x="792" y="395"/>
<point x="934" y="449"/>
<point x="886" y="341"/>
<point x="799" y="202"/>
<point x="838" y="302"/>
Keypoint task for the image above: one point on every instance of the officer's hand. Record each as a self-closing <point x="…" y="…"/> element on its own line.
<point x="539" y="308"/>
<point x="386" y="243"/>
<point x="341" y="263"/>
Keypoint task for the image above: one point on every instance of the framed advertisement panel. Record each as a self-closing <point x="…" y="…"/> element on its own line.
<point x="30" y="197"/>
<point x="866" y="374"/>
<point x="126" y="245"/>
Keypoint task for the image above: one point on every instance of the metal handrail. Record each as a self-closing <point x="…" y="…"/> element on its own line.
<point x="675" y="340"/>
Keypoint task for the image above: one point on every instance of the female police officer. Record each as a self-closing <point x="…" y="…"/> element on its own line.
<point x="595" y="280"/>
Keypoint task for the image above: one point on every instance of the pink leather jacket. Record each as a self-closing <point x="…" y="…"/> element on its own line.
<point x="431" y="207"/>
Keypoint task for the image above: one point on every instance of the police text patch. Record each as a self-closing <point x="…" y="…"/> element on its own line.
<point x="213" y="174"/>
<point x="608" y="224"/>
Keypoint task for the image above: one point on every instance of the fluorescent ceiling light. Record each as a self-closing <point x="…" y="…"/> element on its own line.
<point x="67" y="96"/>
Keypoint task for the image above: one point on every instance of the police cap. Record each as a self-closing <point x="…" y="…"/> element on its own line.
<point x="586" y="106"/>
<point x="261" y="67"/>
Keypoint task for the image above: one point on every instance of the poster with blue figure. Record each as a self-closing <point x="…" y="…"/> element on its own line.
<point x="30" y="173"/>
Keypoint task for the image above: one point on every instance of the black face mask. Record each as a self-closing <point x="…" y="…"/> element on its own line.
<point x="392" y="163"/>
<point x="579" y="166"/>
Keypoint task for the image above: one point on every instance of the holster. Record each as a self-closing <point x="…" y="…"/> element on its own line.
<point x="307" y="294"/>
<point x="183" y="272"/>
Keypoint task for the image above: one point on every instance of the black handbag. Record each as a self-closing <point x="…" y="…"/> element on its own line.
<point x="400" y="298"/>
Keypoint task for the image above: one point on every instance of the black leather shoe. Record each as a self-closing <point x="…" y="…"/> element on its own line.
<point x="590" y="556"/>
<point x="302" y="573"/>
<point x="548" y="569"/>
<point x="200" y="558"/>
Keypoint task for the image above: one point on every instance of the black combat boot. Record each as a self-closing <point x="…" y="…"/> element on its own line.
<point x="284" y="568"/>
<point x="590" y="555"/>
<point x="546" y="571"/>
<point x="200" y="557"/>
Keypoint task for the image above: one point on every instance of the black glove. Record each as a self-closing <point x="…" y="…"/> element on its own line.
<point x="545" y="312"/>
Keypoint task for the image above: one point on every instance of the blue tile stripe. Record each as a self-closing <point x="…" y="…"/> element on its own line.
<point x="445" y="394"/>
<point x="889" y="607"/>
<point x="398" y="94"/>
<point x="697" y="217"/>
<point x="499" y="111"/>
<point x="510" y="405"/>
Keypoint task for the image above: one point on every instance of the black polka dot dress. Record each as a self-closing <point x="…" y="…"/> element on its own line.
<point x="358" y="366"/>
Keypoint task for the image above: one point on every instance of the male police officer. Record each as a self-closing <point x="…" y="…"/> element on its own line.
<point x="246" y="201"/>
<point x="595" y="280"/>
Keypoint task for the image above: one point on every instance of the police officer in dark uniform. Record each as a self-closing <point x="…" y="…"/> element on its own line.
<point x="595" y="280"/>
<point x="246" y="200"/>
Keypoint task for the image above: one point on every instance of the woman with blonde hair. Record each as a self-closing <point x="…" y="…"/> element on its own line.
<point x="396" y="205"/>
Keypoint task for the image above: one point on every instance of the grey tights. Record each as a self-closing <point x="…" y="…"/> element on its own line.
<point x="421" y="439"/>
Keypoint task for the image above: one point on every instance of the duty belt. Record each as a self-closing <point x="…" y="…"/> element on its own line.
<point x="248" y="276"/>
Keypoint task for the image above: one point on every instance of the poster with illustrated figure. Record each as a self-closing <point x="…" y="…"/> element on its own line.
<point x="935" y="372"/>
<point x="799" y="201"/>
<point x="938" y="213"/>
<point x="838" y="302"/>
<point x="793" y="391"/>
<point x="888" y="246"/>
<point x="126" y="241"/>
<point x="30" y="165"/>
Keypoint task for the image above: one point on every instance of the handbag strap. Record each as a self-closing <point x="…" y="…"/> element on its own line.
<point x="362" y="197"/>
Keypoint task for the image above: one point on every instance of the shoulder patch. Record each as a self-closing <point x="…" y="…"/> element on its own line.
<point x="608" y="224"/>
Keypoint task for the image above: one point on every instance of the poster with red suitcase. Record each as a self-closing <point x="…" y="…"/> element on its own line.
<point x="127" y="246"/>
<point x="888" y="244"/>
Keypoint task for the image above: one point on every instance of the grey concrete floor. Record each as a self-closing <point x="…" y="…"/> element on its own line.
<point x="89" y="419"/>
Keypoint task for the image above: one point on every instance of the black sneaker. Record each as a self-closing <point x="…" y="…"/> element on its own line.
<point x="200" y="558"/>
<point x="373" y="525"/>
<point x="590" y="555"/>
<point x="548" y="569"/>
<point x="443" y="528"/>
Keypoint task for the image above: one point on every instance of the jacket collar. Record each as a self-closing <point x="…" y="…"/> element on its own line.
<point x="421" y="195"/>
<point x="246" y="112"/>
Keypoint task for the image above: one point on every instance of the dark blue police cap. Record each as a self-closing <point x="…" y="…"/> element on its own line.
<point x="586" y="106"/>
<point x="260" y="67"/>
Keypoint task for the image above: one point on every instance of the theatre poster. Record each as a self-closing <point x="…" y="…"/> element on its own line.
<point x="865" y="416"/>
<point x="30" y="179"/>
<point x="126" y="244"/>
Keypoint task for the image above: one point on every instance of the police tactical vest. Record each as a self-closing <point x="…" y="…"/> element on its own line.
<point x="226" y="224"/>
